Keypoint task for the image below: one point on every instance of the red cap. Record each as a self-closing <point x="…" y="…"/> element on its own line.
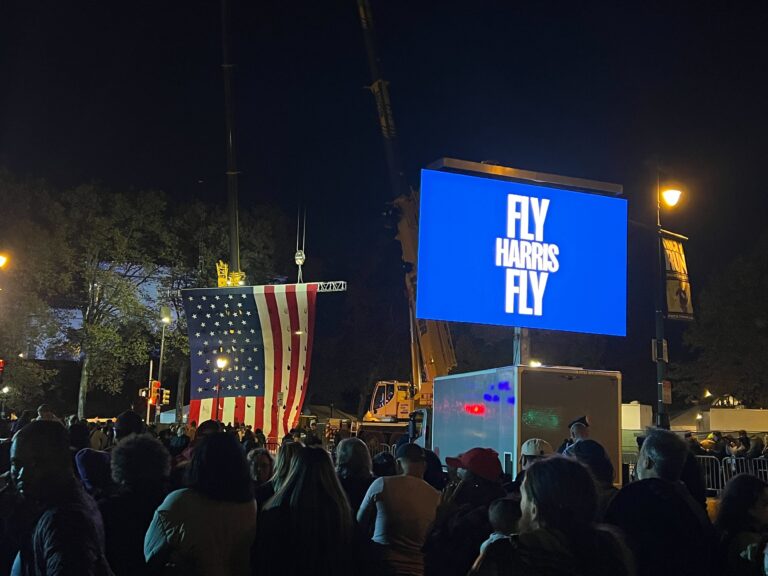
<point x="482" y="462"/>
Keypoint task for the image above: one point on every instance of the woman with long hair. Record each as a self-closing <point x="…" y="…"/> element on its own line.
<point x="307" y="526"/>
<point x="280" y="472"/>
<point x="354" y="469"/>
<point x="742" y="523"/>
<point x="557" y="531"/>
<point x="208" y="527"/>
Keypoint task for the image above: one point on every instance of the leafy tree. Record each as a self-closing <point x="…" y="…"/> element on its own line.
<point x="26" y="382"/>
<point x="118" y="247"/>
<point x="91" y="269"/>
<point x="730" y="334"/>
<point x="28" y="279"/>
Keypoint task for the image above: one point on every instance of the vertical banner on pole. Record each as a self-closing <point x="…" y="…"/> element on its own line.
<point x="678" y="286"/>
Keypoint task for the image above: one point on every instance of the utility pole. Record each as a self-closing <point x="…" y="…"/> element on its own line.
<point x="149" y="393"/>
<point x="662" y="418"/>
<point x="232" y="173"/>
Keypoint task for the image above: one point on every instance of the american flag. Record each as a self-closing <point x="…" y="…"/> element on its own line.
<point x="250" y="350"/>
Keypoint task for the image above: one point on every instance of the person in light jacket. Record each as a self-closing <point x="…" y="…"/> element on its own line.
<point x="209" y="527"/>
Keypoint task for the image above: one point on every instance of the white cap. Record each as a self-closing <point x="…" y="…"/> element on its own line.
<point x="536" y="447"/>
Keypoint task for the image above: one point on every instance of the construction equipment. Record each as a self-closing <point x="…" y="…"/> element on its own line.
<point x="432" y="353"/>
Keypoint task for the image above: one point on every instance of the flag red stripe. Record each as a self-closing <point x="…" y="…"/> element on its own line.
<point x="259" y="412"/>
<point x="293" y="314"/>
<point x="240" y="410"/>
<point x="277" y="347"/>
<point x="194" y="412"/>
<point x="311" y="298"/>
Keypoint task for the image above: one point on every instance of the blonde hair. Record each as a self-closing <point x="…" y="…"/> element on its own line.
<point x="285" y="456"/>
<point x="312" y="492"/>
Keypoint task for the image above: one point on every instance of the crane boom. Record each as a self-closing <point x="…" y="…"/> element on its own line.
<point x="432" y="352"/>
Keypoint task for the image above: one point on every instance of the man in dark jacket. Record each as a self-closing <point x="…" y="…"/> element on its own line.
<point x="66" y="535"/>
<point x="669" y="533"/>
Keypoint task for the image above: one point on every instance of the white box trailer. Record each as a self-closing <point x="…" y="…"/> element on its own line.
<point x="503" y="407"/>
<point x="735" y="419"/>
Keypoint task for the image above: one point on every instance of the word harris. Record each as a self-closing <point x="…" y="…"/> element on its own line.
<point x="528" y="259"/>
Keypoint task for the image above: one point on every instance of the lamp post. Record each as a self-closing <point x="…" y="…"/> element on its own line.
<point x="165" y="319"/>
<point x="221" y="363"/>
<point x="670" y="196"/>
<point x="4" y="392"/>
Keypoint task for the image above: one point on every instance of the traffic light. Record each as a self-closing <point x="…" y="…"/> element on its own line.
<point x="143" y="392"/>
<point x="165" y="399"/>
<point x="155" y="391"/>
<point x="2" y="369"/>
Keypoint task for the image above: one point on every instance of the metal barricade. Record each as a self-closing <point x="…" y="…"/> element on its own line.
<point x="629" y="459"/>
<point x="379" y="449"/>
<point x="732" y="466"/>
<point x="760" y="468"/>
<point x="712" y="472"/>
<point x="272" y="446"/>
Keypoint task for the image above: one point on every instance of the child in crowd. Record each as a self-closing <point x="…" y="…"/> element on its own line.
<point x="503" y="514"/>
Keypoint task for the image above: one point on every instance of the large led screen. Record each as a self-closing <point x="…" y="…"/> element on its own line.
<point x="513" y="254"/>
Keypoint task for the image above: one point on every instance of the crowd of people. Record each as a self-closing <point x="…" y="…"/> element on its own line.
<point x="720" y="445"/>
<point x="212" y="500"/>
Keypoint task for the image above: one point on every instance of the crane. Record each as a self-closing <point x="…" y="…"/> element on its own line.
<point x="432" y="352"/>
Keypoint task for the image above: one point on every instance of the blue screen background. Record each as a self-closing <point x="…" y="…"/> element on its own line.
<point x="458" y="280"/>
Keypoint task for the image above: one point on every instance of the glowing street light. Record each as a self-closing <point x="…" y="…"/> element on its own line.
<point x="5" y="389"/>
<point x="671" y="196"/>
<point x="3" y="260"/>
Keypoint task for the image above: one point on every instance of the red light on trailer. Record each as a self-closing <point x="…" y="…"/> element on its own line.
<point x="474" y="409"/>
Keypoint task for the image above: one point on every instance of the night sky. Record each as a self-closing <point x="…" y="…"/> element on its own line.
<point x="130" y="94"/>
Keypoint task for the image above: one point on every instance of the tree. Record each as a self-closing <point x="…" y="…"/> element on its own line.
<point x="92" y="268"/>
<point x="29" y="278"/>
<point x="118" y="244"/>
<point x="730" y="335"/>
<point x="26" y="381"/>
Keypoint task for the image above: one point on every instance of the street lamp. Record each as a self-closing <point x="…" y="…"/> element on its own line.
<point x="670" y="196"/>
<point x="221" y="363"/>
<point x="165" y="319"/>
<point x="3" y="260"/>
<point x="4" y="391"/>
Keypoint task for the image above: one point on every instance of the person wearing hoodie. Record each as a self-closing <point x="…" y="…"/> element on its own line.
<point x="461" y="524"/>
<point x="557" y="531"/>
